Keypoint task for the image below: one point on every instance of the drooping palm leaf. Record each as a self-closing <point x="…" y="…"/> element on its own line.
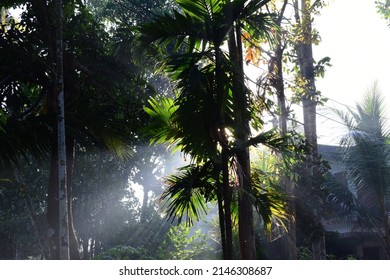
<point x="162" y="129"/>
<point x="18" y="139"/>
<point x="348" y="207"/>
<point x="341" y="199"/>
<point x="179" y="28"/>
<point x="188" y="192"/>
<point x="268" y="202"/>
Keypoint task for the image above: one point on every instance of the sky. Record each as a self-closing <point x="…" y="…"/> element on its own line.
<point x="357" y="40"/>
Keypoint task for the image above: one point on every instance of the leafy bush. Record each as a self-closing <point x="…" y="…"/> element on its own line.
<point x="123" y="253"/>
<point x="183" y="244"/>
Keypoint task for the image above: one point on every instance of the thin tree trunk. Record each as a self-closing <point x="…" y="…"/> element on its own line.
<point x="144" y="207"/>
<point x="277" y="82"/>
<point x="85" y="245"/>
<point x="74" y="252"/>
<point x="221" y="216"/>
<point x="52" y="206"/>
<point x="241" y="131"/>
<point x="62" y="177"/>
<point x="309" y="103"/>
<point x="227" y="199"/>
<point x="219" y="132"/>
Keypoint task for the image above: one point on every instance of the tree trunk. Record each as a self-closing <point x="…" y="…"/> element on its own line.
<point x="227" y="200"/>
<point x="62" y="177"/>
<point x="221" y="217"/>
<point x="52" y="206"/>
<point x="85" y="245"/>
<point x="242" y="132"/>
<point x="144" y="207"/>
<point x="225" y="192"/>
<point x="275" y="68"/>
<point x="74" y="252"/>
<point x="309" y="103"/>
<point x="277" y="82"/>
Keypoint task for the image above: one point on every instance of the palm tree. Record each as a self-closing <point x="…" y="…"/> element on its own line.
<point x="209" y="119"/>
<point x="366" y="158"/>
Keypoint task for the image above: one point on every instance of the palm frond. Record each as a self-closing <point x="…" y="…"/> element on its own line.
<point x="269" y="203"/>
<point x="258" y="24"/>
<point x="21" y="138"/>
<point x="162" y="129"/>
<point x="188" y="192"/>
<point x="271" y="206"/>
<point x="366" y="157"/>
<point x="340" y="197"/>
<point x="173" y="121"/>
<point x="273" y="140"/>
<point x="204" y="10"/>
<point x="180" y="28"/>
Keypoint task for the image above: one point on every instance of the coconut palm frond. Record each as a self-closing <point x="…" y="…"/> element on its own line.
<point x="342" y="200"/>
<point x="366" y="157"/>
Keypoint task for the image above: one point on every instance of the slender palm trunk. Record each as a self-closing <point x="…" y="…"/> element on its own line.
<point x="241" y="131"/>
<point x="225" y="191"/>
<point x="221" y="216"/>
<point x="227" y="200"/>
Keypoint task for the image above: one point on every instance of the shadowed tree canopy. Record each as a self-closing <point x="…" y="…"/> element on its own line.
<point x="103" y="97"/>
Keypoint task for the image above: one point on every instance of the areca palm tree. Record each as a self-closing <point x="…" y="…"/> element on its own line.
<point x="209" y="119"/>
<point x="189" y="191"/>
<point x="366" y="158"/>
